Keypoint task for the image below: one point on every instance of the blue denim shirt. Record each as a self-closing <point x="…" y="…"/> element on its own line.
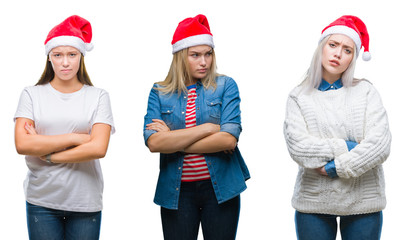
<point x="330" y="167"/>
<point x="219" y="106"/>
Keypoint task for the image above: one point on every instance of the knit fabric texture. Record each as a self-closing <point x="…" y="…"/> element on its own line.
<point x="316" y="128"/>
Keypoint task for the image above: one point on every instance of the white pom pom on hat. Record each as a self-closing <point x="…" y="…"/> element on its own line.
<point x="74" y="31"/>
<point x="352" y="27"/>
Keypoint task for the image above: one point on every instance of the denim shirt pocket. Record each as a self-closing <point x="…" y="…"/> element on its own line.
<point x="214" y="108"/>
<point x="167" y="115"/>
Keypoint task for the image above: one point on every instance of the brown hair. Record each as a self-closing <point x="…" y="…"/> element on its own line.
<point x="48" y="73"/>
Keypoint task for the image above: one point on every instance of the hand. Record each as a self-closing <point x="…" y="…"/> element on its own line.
<point x="321" y="171"/>
<point x="230" y="151"/>
<point x="214" y="128"/>
<point x="30" y="129"/>
<point x="157" y="125"/>
<point x="81" y="138"/>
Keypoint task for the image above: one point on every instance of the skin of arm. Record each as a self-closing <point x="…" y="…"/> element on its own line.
<point x="28" y="142"/>
<point x="220" y="141"/>
<point x="94" y="149"/>
<point x="166" y="141"/>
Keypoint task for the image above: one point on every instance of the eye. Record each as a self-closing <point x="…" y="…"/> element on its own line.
<point x="332" y="45"/>
<point x="348" y="51"/>
<point x="56" y="55"/>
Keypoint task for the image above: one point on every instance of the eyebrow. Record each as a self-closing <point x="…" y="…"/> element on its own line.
<point x="193" y="51"/>
<point x="344" y="45"/>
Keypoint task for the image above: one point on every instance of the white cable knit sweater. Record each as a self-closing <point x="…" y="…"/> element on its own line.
<point x="316" y="128"/>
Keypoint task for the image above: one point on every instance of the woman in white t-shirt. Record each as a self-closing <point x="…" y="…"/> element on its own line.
<point x="63" y="126"/>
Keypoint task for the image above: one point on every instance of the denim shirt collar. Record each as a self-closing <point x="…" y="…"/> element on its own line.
<point x="324" y="86"/>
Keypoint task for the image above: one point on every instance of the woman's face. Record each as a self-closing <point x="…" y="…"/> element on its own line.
<point x="336" y="56"/>
<point x="66" y="62"/>
<point x="199" y="61"/>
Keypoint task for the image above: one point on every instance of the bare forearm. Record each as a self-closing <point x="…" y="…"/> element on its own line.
<point x="217" y="142"/>
<point x="94" y="149"/>
<point x="28" y="142"/>
<point x="39" y="145"/>
<point x="177" y="140"/>
<point x="85" y="152"/>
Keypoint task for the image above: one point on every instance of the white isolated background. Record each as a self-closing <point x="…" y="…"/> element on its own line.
<point x="266" y="46"/>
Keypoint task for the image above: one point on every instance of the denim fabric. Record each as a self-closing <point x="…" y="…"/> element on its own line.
<point x="324" y="86"/>
<point x="351" y="145"/>
<point x="219" y="106"/>
<point x="324" y="227"/>
<point x="198" y="205"/>
<point x="330" y="167"/>
<point x="50" y="224"/>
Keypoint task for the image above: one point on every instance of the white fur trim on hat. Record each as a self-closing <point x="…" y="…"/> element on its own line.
<point x="202" y="39"/>
<point x="68" y="41"/>
<point x="340" y="29"/>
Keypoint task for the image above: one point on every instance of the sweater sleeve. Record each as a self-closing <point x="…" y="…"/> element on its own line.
<point x="306" y="149"/>
<point x="374" y="149"/>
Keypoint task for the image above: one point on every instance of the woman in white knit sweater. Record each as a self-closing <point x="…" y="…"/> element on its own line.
<point x="337" y="131"/>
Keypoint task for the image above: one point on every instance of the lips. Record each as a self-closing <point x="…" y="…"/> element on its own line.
<point x="204" y="70"/>
<point x="65" y="71"/>
<point x="334" y="62"/>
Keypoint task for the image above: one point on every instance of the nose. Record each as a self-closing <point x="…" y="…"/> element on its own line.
<point x="202" y="61"/>
<point x="338" y="52"/>
<point x="65" y="61"/>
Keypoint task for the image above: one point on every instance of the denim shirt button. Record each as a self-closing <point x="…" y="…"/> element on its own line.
<point x="177" y="189"/>
<point x="214" y="183"/>
<point x="182" y="112"/>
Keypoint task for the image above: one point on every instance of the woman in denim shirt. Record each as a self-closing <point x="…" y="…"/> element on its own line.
<point x="193" y="120"/>
<point x="337" y="130"/>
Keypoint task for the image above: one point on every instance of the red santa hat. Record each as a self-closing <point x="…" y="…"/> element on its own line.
<point x="75" y="31"/>
<point x="352" y="27"/>
<point x="192" y="32"/>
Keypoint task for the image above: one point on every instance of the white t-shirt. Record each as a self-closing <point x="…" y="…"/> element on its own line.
<point x="71" y="186"/>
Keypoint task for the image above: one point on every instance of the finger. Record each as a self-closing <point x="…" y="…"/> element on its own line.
<point x="30" y="129"/>
<point x="158" y="121"/>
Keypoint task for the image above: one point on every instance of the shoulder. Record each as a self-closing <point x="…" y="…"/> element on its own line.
<point x="363" y="86"/>
<point x="296" y="92"/>
<point x="94" y="91"/>
<point x="35" y="90"/>
<point x="225" y="83"/>
<point x="223" y="80"/>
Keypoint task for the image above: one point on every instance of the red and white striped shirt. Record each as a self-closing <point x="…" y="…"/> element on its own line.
<point x="194" y="168"/>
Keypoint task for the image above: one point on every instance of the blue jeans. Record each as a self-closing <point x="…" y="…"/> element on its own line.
<point x="198" y="205"/>
<point x="324" y="227"/>
<point x="50" y="224"/>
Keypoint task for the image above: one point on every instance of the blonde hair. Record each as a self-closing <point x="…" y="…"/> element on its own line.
<point x="178" y="74"/>
<point x="313" y="76"/>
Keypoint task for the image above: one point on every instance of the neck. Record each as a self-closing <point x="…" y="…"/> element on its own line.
<point x="66" y="86"/>
<point x="330" y="78"/>
<point x="191" y="82"/>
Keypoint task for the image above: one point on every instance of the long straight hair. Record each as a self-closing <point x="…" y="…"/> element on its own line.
<point x="313" y="76"/>
<point x="48" y="73"/>
<point x="178" y="74"/>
